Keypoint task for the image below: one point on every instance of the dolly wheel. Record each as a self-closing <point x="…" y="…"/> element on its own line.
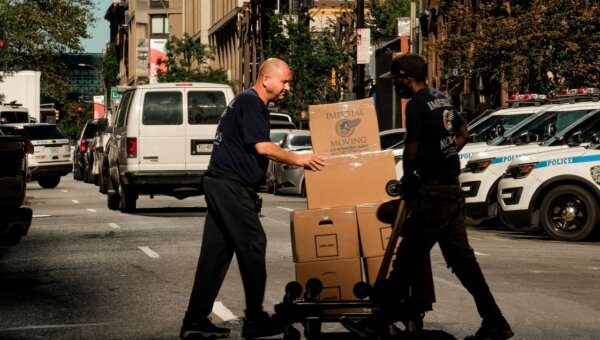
<point x="393" y="188"/>
<point x="293" y="290"/>
<point x="361" y="290"/>
<point x="313" y="289"/>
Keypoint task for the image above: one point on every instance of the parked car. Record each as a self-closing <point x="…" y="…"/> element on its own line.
<point x="51" y="152"/>
<point x="162" y="140"/>
<point x="392" y="138"/>
<point x="100" y="153"/>
<point x="281" y="121"/>
<point x="14" y="219"/>
<point x="13" y="113"/>
<point x="285" y="178"/>
<point x="83" y="154"/>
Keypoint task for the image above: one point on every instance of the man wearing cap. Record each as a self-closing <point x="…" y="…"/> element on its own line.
<point x="435" y="133"/>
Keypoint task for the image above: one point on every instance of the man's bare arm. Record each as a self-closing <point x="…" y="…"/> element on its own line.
<point x="274" y="152"/>
<point x="462" y="137"/>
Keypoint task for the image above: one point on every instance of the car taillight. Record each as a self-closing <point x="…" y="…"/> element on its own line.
<point x="93" y="148"/>
<point x="82" y="145"/>
<point x="131" y="147"/>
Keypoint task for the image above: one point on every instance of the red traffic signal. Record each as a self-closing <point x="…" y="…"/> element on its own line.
<point x="79" y="108"/>
<point x="1" y="43"/>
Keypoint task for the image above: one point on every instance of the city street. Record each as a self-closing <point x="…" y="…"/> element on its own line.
<point x="85" y="272"/>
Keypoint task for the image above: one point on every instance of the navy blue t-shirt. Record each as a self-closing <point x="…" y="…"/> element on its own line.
<point x="244" y="123"/>
<point x="433" y="123"/>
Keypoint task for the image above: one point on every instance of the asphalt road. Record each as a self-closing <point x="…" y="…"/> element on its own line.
<point x="84" y="272"/>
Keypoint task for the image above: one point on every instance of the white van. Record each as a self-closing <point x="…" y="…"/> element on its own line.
<point x="162" y="139"/>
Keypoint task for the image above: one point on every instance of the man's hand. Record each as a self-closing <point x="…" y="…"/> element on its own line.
<point x="311" y="161"/>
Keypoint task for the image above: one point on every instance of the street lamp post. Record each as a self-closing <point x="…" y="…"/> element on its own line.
<point x="101" y="82"/>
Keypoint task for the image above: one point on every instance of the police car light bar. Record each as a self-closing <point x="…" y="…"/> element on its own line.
<point x="527" y="99"/>
<point x="578" y="95"/>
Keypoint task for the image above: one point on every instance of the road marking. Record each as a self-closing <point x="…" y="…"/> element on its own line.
<point x="65" y="190"/>
<point x="286" y="209"/>
<point x="37" y="216"/>
<point x="91" y="210"/>
<point x="55" y="326"/>
<point x="149" y="252"/>
<point x="272" y="220"/>
<point x="540" y="271"/>
<point x="222" y="312"/>
<point x="447" y="282"/>
<point x="481" y="254"/>
<point x="75" y="201"/>
<point x="114" y="226"/>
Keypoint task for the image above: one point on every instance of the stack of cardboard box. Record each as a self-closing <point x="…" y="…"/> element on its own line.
<point x="339" y="239"/>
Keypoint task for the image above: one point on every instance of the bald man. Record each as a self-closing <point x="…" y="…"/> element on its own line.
<point x="238" y="164"/>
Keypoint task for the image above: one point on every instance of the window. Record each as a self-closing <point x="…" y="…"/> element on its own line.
<point x="162" y="108"/>
<point x="205" y="107"/>
<point x="41" y="132"/>
<point x="159" y="4"/>
<point x="160" y="24"/>
<point x="123" y="108"/>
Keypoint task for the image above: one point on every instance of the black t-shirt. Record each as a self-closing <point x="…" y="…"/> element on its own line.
<point x="244" y="123"/>
<point x="433" y="123"/>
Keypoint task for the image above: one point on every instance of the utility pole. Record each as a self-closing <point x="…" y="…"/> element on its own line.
<point x="360" y="68"/>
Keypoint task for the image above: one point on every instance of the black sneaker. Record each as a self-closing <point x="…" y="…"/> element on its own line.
<point x="367" y="328"/>
<point x="261" y="325"/>
<point x="203" y="329"/>
<point x="499" y="330"/>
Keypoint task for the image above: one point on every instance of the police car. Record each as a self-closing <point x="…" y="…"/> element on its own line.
<point x="558" y="190"/>
<point x="51" y="152"/>
<point x="491" y="126"/>
<point x="543" y="131"/>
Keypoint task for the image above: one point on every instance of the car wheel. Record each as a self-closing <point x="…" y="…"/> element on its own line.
<point x="128" y="199"/>
<point x="96" y="181"/>
<point x="77" y="173"/>
<point x="102" y="188"/>
<point x="49" y="182"/>
<point x="569" y="213"/>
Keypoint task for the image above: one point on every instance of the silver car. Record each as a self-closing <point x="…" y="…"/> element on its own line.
<point x="285" y="178"/>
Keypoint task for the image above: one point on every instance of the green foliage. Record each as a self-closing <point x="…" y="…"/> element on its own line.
<point x="71" y="122"/>
<point x="317" y="60"/>
<point x="110" y="67"/>
<point x="187" y="60"/>
<point x="38" y="33"/>
<point x="384" y="15"/>
<point x="521" y="47"/>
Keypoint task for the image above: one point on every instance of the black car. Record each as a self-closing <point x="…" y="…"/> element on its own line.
<point x="83" y="156"/>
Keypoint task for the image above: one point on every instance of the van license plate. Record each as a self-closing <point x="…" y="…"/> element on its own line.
<point x="202" y="148"/>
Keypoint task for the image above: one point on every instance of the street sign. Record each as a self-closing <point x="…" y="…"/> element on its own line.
<point x="363" y="45"/>
<point x="116" y="93"/>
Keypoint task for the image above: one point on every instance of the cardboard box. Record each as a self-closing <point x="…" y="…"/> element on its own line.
<point x="424" y="289"/>
<point x="349" y="180"/>
<point x="324" y="234"/>
<point x="374" y="234"/>
<point x="338" y="277"/>
<point x="342" y="128"/>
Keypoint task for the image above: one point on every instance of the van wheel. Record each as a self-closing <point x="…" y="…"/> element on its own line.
<point x="112" y="197"/>
<point x="569" y="213"/>
<point x="49" y="182"/>
<point x="128" y="199"/>
<point x="102" y="187"/>
<point x="77" y="173"/>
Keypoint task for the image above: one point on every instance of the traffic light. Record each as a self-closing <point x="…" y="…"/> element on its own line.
<point x="79" y="109"/>
<point x="56" y="115"/>
<point x="1" y="43"/>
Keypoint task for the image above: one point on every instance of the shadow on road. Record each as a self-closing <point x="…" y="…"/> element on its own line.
<point x="171" y="212"/>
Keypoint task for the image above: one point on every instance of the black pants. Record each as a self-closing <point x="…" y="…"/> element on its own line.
<point x="232" y="226"/>
<point x="437" y="214"/>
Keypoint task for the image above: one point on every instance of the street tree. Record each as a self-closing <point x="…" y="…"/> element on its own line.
<point x="535" y="46"/>
<point x="317" y="59"/>
<point x="37" y="35"/>
<point x="110" y="67"/>
<point x="188" y="60"/>
<point x="383" y="19"/>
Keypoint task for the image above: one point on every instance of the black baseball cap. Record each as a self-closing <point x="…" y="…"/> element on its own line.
<point x="407" y="65"/>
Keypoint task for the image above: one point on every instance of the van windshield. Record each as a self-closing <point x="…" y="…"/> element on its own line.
<point x="41" y="132"/>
